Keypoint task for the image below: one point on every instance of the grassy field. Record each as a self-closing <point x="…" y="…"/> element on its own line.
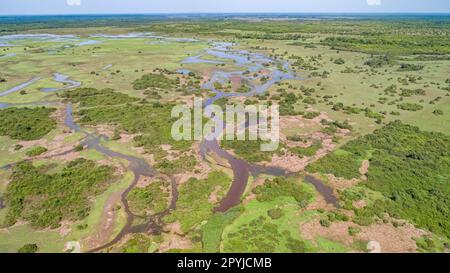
<point x="367" y="73"/>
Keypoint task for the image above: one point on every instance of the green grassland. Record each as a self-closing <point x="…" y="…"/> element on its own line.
<point x="368" y="73"/>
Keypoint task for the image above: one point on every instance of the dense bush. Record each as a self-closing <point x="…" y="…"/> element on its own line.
<point x="153" y="81"/>
<point x="151" y="199"/>
<point x="311" y="115"/>
<point x="180" y="165"/>
<point x="409" y="167"/>
<point x="28" y="248"/>
<point x="410" y="67"/>
<point x="413" y="107"/>
<point x="45" y="200"/>
<point x="193" y="205"/>
<point x="152" y="121"/>
<point x="280" y="186"/>
<point x="308" y="151"/>
<point x="35" y="151"/>
<point x="342" y="165"/>
<point x="91" y="97"/>
<point x="249" y="150"/>
<point x="380" y="61"/>
<point x="26" y="123"/>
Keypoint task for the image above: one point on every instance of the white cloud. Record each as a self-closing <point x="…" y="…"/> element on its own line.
<point x="74" y="2"/>
<point x="374" y="2"/>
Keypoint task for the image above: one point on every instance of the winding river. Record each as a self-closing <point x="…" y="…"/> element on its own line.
<point x="276" y="71"/>
<point x="140" y="168"/>
<point x="248" y="62"/>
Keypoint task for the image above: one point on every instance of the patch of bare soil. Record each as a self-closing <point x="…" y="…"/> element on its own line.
<point x="174" y="241"/>
<point x="104" y="129"/>
<point x="359" y="204"/>
<point x="126" y="138"/>
<point x="364" y="169"/>
<point x="56" y="143"/>
<point x="250" y="195"/>
<point x="144" y="181"/>
<point x="72" y="247"/>
<point x="65" y="228"/>
<point x="294" y="163"/>
<point x="105" y="227"/>
<point x="201" y="170"/>
<point x="338" y="183"/>
<point x="173" y="228"/>
<point x="213" y="198"/>
<point x="320" y="203"/>
<point x="390" y="239"/>
<point x="393" y="239"/>
<point x="185" y="100"/>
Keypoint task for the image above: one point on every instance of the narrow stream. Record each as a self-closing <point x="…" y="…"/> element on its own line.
<point x="250" y="62"/>
<point x="19" y="87"/>
<point x="140" y="168"/>
<point x="241" y="169"/>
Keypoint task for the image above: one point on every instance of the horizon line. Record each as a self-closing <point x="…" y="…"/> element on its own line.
<point x="238" y="12"/>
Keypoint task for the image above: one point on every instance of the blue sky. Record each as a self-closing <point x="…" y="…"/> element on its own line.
<point x="9" y="7"/>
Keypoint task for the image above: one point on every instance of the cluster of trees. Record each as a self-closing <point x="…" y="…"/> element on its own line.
<point x="388" y="44"/>
<point x="35" y="151"/>
<point x="26" y="123"/>
<point x="261" y="235"/>
<point x="182" y="164"/>
<point x="411" y="67"/>
<point x="380" y="61"/>
<point x="152" y="121"/>
<point x="249" y="150"/>
<point x="45" y="199"/>
<point x="193" y="205"/>
<point x="408" y="166"/>
<point x="413" y="107"/>
<point x="151" y="199"/>
<point x="309" y="151"/>
<point x="280" y="186"/>
<point x="153" y="81"/>
<point x="91" y="97"/>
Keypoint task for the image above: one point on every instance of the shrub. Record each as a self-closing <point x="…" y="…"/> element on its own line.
<point x="339" y="61"/>
<point x="28" y="248"/>
<point x="352" y="231"/>
<point x="153" y="81"/>
<point x="52" y="198"/>
<point x="275" y="213"/>
<point x="311" y="115"/>
<point x="325" y="223"/>
<point x="413" y="107"/>
<point x="35" y="151"/>
<point x="438" y="112"/>
<point x="410" y="67"/>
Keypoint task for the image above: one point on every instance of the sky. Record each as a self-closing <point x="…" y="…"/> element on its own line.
<point x="15" y="7"/>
